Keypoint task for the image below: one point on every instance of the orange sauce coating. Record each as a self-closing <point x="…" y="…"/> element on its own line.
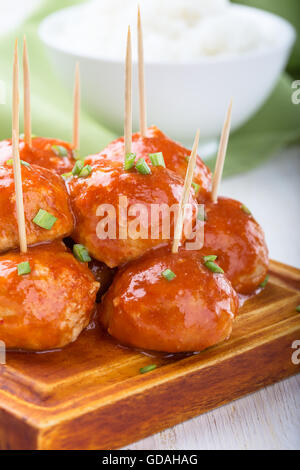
<point x="175" y="155"/>
<point x="49" y="307"/>
<point x="189" y="313"/>
<point x="42" y="189"/>
<point x="238" y="241"/>
<point x="106" y="183"/>
<point x="41" y="153"/>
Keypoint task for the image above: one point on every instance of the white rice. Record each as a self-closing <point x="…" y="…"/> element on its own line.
<point x="174" y="30"/>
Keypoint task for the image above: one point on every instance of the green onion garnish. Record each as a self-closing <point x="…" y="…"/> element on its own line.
<point x="81" y="253"/>
<point x="60" y="150"/>
<point x="11" y="162"/>
<point x="33" y="136"/>
<point x="24" y="268"/>
<point x="201" y="215"/>
<point x="298" y="308"/>
<point x="209" y="258"/>
<point x="86" y="171"/>
<point x="129" y="161"/>
<point x="196" y="187"/>
<point x="77" y="167"/>
<point x="142" y="167"/>
<point x="265" y="282"/>
<point x="168" y="274"/>
<point x="149" y="368"/>
<point x="44" y="220"/>
<point x="66" y="176"/>
<point x="213" y="267"/>
<point x="245" y="209"/>
<point x="76" y="155"/>
<point x="157" y="159"/>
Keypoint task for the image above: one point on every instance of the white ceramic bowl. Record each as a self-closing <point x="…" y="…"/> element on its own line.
<point x="180" y="96"/>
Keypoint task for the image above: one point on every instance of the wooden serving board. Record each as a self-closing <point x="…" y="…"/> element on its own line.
<point x="91" y="395"/>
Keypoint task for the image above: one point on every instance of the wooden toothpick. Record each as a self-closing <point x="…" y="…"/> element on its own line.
<point x="16" y="155"/>
<point x="128" y="96"/>
<point x="221" y="154"/>
<point x="141" y="66"/>
<point x="27" y="106"/>
<point x="185" y="194"/>
<point x="76" y="111"/>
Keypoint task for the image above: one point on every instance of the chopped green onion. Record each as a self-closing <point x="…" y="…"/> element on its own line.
<point x="11" y="162"/>
<point x="168" y="274"/>
<point x="33" y="136"/>
<point x="129" y="161"/>
<point x="81" y="253"/>
<point x="157" y="159"/>
<point x="60" y="150"/>
<point x="201" y="215"/>
<point x="24" y="268"/>
<point x="142" y="167"/>
<point x="66" y="176"/>
<point x="213" y="267"/>
<point x="298" y="308"/>
<point x="245" y="209"/>
<point x="196" y="187"/>
<point x="149" y="368"/>
<point x="77" y="167"/>
<point x="86" y="171"/>
<point x="44" y="220"/>
<point x="209" y="258"/>
<point x="76" y="155"/>
<point x="265" y="282"/>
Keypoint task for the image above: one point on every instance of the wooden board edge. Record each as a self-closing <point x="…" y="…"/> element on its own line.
<point x="153" y="410"/>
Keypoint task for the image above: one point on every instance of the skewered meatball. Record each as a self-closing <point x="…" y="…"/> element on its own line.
<point x="175" y="155"/>
<point x="48" y="307"/>
<point x="107" y="182"/>
<point x="237" y="239"/>
<point x="53" y="154"/>
<point x="46" y="205"/>
<point x="147" y="307"/>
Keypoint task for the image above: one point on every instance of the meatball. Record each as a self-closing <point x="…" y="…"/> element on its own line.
<point x="233" y="235"/>
<point x="48" y="307"/>
<point x="175" y="155"/>
<point x="53" y="154"/>
<point x="43" y="190"/>
<point x="146" y="308"/>
<point x="101" y="223"/>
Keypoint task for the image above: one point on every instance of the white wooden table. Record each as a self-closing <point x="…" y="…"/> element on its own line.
<point x="270" y="418"/>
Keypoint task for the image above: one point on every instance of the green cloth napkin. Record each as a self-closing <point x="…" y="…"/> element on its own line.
<point x="274" y="126"/>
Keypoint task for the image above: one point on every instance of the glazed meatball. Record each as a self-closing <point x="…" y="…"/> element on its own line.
<point x="169" y="302"/>
<point x="175" y="155"/>
<point x="43" y="190"/>
<point x="233" y="235"/>
<point x="48" y="307"/>
<point x="53" y="154"/>
<point x="95" y="200"/>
